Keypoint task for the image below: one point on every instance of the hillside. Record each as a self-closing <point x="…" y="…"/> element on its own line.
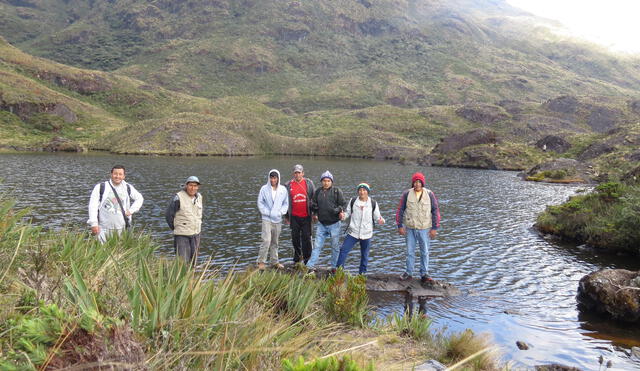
<point x="456" y="83"/>
<point x="324" y="54"/>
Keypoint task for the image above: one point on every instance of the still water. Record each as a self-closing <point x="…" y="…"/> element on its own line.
<point x="516" y="285"/>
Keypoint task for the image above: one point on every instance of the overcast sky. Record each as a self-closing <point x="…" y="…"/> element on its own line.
<point x="613" y="23"/>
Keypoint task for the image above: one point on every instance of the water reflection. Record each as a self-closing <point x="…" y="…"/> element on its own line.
<point x="516" y="285"/>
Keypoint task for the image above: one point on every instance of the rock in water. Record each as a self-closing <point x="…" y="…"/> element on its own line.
<point x="610" y="292"/>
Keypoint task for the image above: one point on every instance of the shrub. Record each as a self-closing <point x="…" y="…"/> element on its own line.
<point x="415" y="326"/>
<point x="346" y="298"/>
<point x="325" y="364"/>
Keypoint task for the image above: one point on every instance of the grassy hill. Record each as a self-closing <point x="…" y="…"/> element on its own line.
<point x="374" y="78"/>
<point x="324" y="54"/>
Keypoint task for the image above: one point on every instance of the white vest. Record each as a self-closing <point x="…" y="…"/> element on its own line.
<point x="417" y="215"/>
<point x="188" y="220"/>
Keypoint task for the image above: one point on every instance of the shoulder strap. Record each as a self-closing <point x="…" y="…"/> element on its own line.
<point x="353" y="200"/>
<point x="126" y="220"/>
<point x="374" y="204"/>
<point x="101" y="191"/>
<point x="129" y="191"/>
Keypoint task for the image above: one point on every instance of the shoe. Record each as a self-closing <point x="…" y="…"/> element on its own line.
<point x="278" y="266"/>
<point x="261" y="266"/>
<point x="405" y="277"/>
<point x="310" y="274"/>
<point x="426" y="280"/>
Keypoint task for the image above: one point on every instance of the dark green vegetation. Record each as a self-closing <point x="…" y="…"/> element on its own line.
<point x="66" y="300"/>
<point x="607" y="218"/>
<point x="373" y="78"/>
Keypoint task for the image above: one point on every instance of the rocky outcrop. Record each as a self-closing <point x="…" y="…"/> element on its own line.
<point x="25" y="110"/>
<point x="84" y="84"/>
<point x="595" y="150"/>
<point x="632" y="176"/>
<point x="561" y="170"/>
<point x="60" y="144"/>
<point x="603" y="119"/>
<point x="553" y="143"/>
<point x="565" y="104"/>
<point x="484" y="114"/>
<point x="456" y="142"/>
<point x="611" y="292"/>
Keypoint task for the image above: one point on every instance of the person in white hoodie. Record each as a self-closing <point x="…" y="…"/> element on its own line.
<point x="273" y="203"/>
<point x="111" y="205"/>
<point x="363" y="212"/>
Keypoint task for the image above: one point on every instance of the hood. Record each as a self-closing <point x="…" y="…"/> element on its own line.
<point x="277" y="172"/>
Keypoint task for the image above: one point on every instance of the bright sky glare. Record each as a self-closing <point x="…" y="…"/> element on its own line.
<point x="612" y="23"/>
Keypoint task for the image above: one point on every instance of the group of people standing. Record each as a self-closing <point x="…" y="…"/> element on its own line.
<point x="297" y="203"/>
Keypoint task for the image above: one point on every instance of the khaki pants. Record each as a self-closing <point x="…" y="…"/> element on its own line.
<point x="270" y="242"/>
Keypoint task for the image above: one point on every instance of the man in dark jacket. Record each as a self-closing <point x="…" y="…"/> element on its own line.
<point x="300" y="190"/>
<point x="327" y="205"/>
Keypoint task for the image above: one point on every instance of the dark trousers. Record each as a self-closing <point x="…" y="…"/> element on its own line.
<point x="187" y="247"/>
<point x="347" y="245"/>
<point x="301" y="238"/>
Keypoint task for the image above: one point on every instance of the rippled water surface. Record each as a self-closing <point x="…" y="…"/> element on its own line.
<point x="516" y="285"/>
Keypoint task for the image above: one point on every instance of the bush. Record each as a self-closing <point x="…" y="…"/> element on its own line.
<point x="415" y="326"/>
<point x="346" y="298"/>
<point x="325" y="364"/>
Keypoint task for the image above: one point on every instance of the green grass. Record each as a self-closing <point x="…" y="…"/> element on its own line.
<point x="67" y="300"/>
<point x="606" y="218"/>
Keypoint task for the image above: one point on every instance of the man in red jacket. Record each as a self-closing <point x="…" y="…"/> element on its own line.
<point x="299" y="216"/>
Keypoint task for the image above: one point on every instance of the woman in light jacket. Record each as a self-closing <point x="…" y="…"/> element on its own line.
<point x="363" y="211"/>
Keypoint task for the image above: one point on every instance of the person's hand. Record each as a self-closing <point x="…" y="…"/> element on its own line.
<point x="381" y="221"/>
<point x="128" y="213"/>
<point x="402" y="231"/>
<point x="341" y="215"/>
<point x="286" y="220"/>
<point x="433" y="233"/>
<point x="315" y="218"/>
<point x="95" y="230"/>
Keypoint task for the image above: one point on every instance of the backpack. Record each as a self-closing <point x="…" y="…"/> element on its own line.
<point x="102" y="187"/>
<point x="374" y="204"/>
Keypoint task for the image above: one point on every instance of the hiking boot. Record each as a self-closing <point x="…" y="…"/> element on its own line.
<point x="261" y="266"/>
<point x="405" y="277"/>
<point x="426" y="280"/>
<point x="278" y="266"/>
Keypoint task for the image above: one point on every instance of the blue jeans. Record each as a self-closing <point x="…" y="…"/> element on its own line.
<point x="347" y="245"/>
<point x="422" y="237"/>
<point x="322" y="232"/>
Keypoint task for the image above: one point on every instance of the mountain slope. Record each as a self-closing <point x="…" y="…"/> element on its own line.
<point x="328" y="54"/>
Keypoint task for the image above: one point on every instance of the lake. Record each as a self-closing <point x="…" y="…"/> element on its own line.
<point x="515" y="284"/>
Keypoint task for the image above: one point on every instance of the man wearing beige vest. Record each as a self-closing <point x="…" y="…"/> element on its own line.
<point x="418" y="219"/>
<point x="184" y="217"/>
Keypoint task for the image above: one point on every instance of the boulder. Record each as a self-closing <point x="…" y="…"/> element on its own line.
<point x="456" y="142"/>
<point x="484" y="114"/>
<point x="595" y="150"/>
<point x="556" y="367"/>
<point x="61" y="144"/>
<point x="562" y="170"/>
<point x="603" y="119"/>
<point x="565" y="104"/>
<point x="632" y="176"/>
<point x="553" y="143"/>
<point x="634" y="106"/>
<point x="609" y="292"/>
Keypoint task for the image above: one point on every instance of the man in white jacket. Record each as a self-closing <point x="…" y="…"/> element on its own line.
<point x="111" y="205"/>
<point x="273" y="203"/>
